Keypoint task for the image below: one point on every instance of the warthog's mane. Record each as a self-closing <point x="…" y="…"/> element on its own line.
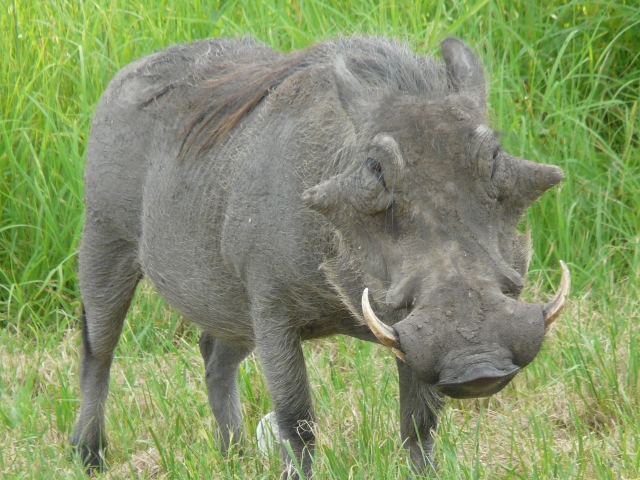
<point x="242" y="82"/>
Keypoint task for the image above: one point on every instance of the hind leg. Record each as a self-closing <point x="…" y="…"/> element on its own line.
<point x="109" y="274"/>
<point x="221" y="362"/>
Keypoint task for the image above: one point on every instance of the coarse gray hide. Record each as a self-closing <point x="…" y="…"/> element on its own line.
<point x="262" y="193"/>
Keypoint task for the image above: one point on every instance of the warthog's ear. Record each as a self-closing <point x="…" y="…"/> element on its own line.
<point x="533" y="179"/>
<point x="350" y="91"/>
<point x="361" y="190"/>
<point x="464" y="70"/>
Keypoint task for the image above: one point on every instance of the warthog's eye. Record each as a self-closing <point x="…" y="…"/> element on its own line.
<point x="376" y="169"/>
<point x="496" y="154"/>
<point x="375" y="166"/>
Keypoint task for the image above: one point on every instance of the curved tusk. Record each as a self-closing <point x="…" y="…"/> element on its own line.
<point x="552" y="309"/>
<point x="383" y="332"/>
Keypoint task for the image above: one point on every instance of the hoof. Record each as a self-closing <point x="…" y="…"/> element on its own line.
<point x="91" y="458"/>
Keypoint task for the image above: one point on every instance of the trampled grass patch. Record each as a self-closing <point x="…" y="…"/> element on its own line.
<point x="565" y="86"/>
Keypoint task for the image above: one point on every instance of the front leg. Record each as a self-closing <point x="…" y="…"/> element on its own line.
<point x="419" y="405"/>
<point x="281" y="353"/>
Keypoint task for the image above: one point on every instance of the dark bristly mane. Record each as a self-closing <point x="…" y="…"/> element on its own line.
<point x="240" y="84"/>
<point x="224" y="100"/>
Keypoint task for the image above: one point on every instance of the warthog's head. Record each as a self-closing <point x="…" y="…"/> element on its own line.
<point x="429" y="213"/>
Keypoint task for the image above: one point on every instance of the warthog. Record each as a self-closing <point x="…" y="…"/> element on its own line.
<point x="268" y="196"/>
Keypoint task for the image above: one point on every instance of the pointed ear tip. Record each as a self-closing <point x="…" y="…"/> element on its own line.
<point x="320" y="198"/>
<point x="557" y="174"/>
<point x="450" y="43"/>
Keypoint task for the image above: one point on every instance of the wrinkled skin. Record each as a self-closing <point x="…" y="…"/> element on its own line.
<point x="363" y="167"/>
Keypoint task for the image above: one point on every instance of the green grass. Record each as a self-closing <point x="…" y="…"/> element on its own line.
<point x="565" y="88"/>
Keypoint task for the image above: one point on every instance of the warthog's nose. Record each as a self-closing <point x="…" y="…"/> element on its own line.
<point x="477" y="381"/>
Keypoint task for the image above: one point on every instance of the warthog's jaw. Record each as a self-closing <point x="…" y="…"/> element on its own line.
<point x="478" y="381"/>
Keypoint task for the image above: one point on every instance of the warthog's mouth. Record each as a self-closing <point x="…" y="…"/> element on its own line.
<point x="477" y="381"/>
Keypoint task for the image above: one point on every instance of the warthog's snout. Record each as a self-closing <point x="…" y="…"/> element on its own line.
<point x="472" y="354"/>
